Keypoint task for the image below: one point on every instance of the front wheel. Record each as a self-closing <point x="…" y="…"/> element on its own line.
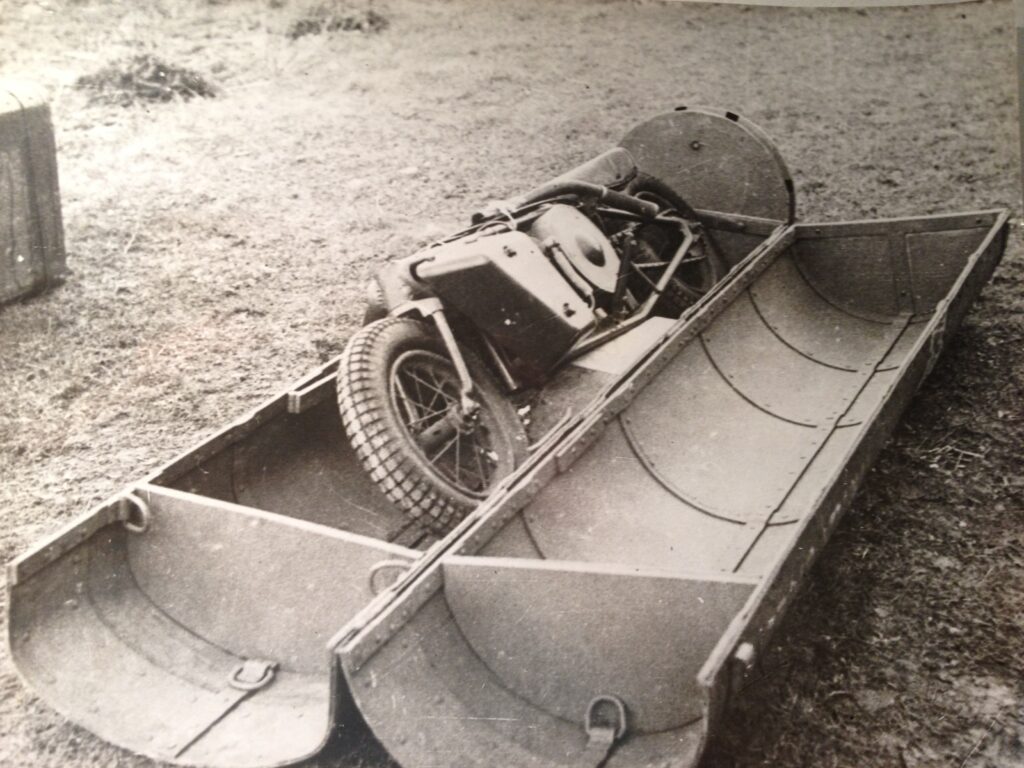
<point x="400" y="401"/>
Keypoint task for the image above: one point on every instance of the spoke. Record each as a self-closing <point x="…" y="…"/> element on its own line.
<point x="427" y="384"/>
<point x="473" y="449"/>
<point x="407" y="404"/>
<point x="480" y="466"/>
<point x="438" y="385"/>
<point x="419" y="394"/>
<point x="430" y="415"/>
<point x="453" y="392"/>
<point x="646" y="279"/>
<point x="458" y="445"/>
<point x="692" y="260"/>
<point x="418" y="414"/>
<point x="418" y="375"/>
<point x="444" y="449"/>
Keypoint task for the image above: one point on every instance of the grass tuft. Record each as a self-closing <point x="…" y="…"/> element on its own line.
<point x="144" y="78"/>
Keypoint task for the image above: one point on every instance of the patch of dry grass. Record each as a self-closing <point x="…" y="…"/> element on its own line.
<point x="337" y="16"/>
<point x="144" y="77"/>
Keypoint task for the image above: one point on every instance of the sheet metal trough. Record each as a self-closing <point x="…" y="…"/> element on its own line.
<point x="648" y="556"/>
<point x="229" y="609"/>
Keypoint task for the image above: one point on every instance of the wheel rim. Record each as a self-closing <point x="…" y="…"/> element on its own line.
<point x="463" y="454"/>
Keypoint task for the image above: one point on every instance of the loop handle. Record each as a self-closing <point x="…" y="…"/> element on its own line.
<point x="385" y="565"/>
<point x="252" y="674"/>
<point x="136" y="513"/>
<point x="605" y="725"/>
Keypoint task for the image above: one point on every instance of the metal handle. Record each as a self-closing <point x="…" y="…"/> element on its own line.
<point x="252" y="674"/>
<point x="603" y="736"/>
<point x="142" y="511"/>
<point x="585" y="189"/>
<point x="385" y="565"/>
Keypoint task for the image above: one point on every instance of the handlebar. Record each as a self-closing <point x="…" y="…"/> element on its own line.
<point x="584" y="189"/>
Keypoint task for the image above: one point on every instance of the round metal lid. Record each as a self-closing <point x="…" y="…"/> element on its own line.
<point x="716" y="161"/>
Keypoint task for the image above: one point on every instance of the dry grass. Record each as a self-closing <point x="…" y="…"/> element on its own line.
<point x="337" y="16"/>
<point x="144" y="77"/>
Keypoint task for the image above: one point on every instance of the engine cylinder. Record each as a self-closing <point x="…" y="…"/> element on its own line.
<point x="585" y="247"/>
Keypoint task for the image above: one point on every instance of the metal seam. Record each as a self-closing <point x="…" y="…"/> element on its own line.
<point x="746" y="398"/>
<point x="642" y="457"/>
<point x="780" y="337"/>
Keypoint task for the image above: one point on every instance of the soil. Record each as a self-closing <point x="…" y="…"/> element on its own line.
<point x="220" y="246"/>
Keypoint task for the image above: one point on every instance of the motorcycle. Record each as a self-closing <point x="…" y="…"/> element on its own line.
<point x="454" y="329"/>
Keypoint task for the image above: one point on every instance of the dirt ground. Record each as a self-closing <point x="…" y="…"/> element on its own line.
<point x="219" y="247"/>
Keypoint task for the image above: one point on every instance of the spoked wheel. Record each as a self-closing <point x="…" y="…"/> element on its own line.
<point x="459" y="447"/>
<point x="401" y="403"/>
<point x="701" y="268"/>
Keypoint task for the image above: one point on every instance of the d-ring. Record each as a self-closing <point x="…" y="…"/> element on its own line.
<point x="376" y="587"/>
<point x="141" y="510"/>
<point x="620" y="711"/>
<point x="252" y="674"/>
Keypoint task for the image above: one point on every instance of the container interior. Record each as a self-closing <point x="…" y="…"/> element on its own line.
<point x="661" y="532"/>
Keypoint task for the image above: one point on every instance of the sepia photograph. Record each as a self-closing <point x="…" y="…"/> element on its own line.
<point x="520" y="384"/>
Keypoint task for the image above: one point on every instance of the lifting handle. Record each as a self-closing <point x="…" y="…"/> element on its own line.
<point x="605" y="725"/>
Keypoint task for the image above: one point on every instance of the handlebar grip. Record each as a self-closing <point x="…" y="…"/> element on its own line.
<point x="629" y="203"/>
<point x="585" y="189"/>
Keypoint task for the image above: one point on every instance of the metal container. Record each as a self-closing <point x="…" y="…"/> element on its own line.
<point x="645" y="558"/>
<point x="602" y="606"/>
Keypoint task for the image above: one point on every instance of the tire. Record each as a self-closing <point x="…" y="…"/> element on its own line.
<point x="395" y="388"/>
<point x="691" y="281"/>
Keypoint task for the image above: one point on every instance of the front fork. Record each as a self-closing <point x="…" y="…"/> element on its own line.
<point x="433" y="309"/>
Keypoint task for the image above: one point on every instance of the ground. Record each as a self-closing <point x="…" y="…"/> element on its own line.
<point x="219" y="246"/>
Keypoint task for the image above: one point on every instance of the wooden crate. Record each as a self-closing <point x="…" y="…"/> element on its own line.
<point x="31" y="231"/>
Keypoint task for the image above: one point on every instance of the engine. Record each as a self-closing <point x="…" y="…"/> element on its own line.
<point x="578" y="248"/>
<point x="533" y="291"/>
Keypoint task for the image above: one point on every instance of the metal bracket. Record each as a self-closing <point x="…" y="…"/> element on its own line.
<point x="400" y="566"/>
<point x="605" y="725"/>
<point x="134" y="513"/>
<point x="742" y="664"/>
<point x="301" y="400"/>
<point x="252" y="674"/>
